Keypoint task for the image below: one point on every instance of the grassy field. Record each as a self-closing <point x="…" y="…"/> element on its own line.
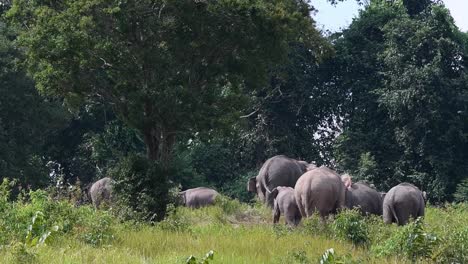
<point x="237" y="233"/>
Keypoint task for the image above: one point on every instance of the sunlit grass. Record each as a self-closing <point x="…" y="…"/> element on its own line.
<point x="238" y="233"/>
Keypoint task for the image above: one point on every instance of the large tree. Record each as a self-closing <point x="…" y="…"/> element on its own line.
<point x="26" y="119"/>
<point x="424" y="91"/>
<point x="405" y="76"/>
<point x="166" y="66"/>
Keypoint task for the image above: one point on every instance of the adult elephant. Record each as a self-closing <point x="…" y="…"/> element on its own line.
<point x="198" y="197"/>
<point x="101" y="191"/>
<point x="365" y="198"/>
<point x="319" y="190"/>
<point x="276" y="171"/>
<point x="402" y="202"/>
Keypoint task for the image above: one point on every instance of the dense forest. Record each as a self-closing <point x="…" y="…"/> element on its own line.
<point x="165" y="93"/>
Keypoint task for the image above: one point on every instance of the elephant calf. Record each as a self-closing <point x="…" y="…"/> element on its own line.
<point x="198" y="197"/>
<point x="285" y="204"/>
<point x="402" y="202"/>
<point x="365" y="198"/>
<point x="101" y="191"/>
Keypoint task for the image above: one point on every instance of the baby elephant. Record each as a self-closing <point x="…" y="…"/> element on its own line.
<point x="198" y="197"/>
<point x="285" y="204"/>
<point x="402" y="202"/>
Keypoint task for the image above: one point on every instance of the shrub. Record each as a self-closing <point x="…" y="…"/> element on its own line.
<point x="455" y="248"/>
<point x="461" y="193"/>
<point x="314" y="225"/>
<point x="411" y="241"/>
<point x="351" y="225"/>
<point x="330" y="257"/>
<point x="98" y="230"/>
<point x="236" y="188"/>
<point x="142" y="186"/>
<point x="205" y="260"/>
<point x="175" y="221"/>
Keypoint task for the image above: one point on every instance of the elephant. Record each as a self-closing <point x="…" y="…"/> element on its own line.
<point x="276" y="171"/>
<point x="402" y="202"/>
<point x="198" y="197"/>
<point x="101" y="191"/>
<point x="285" y="204"/>
<point x="346" y="179"/>
<point x="362" y="196"/>
<point x="321" y="190"/>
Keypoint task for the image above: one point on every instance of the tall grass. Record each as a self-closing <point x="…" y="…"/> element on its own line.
<point x="236" y="232"/>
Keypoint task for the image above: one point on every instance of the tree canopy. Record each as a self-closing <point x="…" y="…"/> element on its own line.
<point x="166" y="67"/>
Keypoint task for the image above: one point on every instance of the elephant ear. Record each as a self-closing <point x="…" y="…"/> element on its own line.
<point x="251" y="185"/>
<point x="424" y="195"/>
<point x="274" y="193"/>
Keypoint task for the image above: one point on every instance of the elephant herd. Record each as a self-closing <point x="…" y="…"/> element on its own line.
<point x="297" y="189"/>
<point x="101" y="192"/>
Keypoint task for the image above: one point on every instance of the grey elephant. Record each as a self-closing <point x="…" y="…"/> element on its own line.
<point x="321" y="190"/>
<point x="285" y="204"/>
<point x="276" y="171"/>
<point x="402" y="202"/>
<point x="365" y="198"/>
<point x="198" y="197"/>
<point x="101" y="191"/>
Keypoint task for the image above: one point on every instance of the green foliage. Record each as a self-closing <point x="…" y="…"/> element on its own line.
<point x="330" y="257"/>
<point x="99" y="231"/>
<point x="27" y="119"/>
<point x="461" y="193"/>
<point x="368" y="168"/>
<point x="351" y="225"/>
<point x="402" y="69"/>
<point x="205" y="260"/>
<point x="37" y="233"/>
<point x="141" y="185"/>
<point x="411" y="241"/>
<point x="315" y="225"/>
<point x="175" y="221"/>
<point x="454" y="249"/>
<point x="187" y="69"/>
<point x="60" y="218"/>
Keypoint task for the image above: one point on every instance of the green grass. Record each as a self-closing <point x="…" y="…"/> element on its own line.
<point x="237" y="233"/>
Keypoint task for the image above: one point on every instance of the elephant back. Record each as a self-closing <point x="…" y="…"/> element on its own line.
<point x="280" y="171"/>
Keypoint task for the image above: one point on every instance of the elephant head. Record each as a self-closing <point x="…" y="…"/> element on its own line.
<point x="181" y="198"/>
<point x="346" y="179"/>
<point x="253" y="186"/>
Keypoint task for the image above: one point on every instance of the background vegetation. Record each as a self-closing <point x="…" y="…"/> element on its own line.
<point x="178" y="94"/>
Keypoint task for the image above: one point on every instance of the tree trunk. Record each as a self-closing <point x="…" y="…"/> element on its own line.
<point x="152" y="140"/>
<point x="159" y="145"/>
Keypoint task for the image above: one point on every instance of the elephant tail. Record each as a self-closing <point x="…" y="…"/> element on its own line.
<point x="276" y="212"/>
<point x="392" y="209"/>
<point x="309" y="204"/>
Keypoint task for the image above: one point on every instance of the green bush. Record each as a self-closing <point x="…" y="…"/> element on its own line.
<point x="237" y="187"/>
<point x="351" y="225"/>
<point x="314" y="225"/>
<point x="461" y="193"/>
<point x="455" y="248"/>
<point x="141" y="188"/>
<point x="58" y="216"/>
<point x="411" y="241"/>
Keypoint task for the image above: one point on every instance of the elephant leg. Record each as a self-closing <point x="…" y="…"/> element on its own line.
<point x="403" y="216"/>
<point x="276" y="214"/>
<point x="300" y="206"/>
<point x="421" y="210"/>
<point x="269" y="199"/>
<point x="388" y="214"/>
